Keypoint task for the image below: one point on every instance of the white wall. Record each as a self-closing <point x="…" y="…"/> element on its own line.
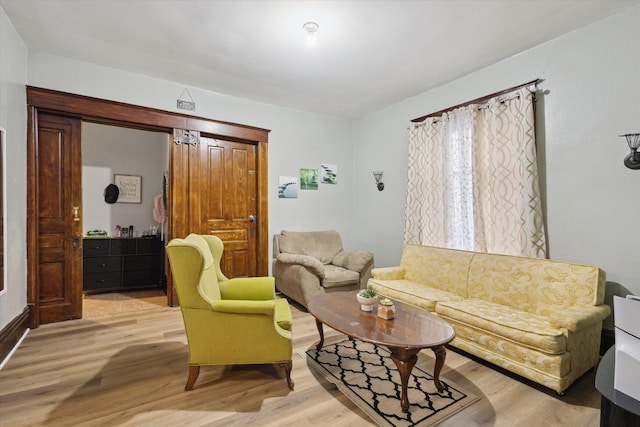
<point x="109" y="150"/>
<point x="297" y="140"/>
<point x="592" y="95"/>
<point x="13" y="77"/>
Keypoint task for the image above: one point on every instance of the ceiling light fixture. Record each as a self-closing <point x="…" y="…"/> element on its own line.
<point x="311" y="28"/>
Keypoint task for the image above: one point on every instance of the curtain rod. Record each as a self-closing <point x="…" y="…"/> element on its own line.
<point x="481" y="100"/>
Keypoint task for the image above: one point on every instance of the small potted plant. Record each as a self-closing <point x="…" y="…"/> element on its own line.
<point x="367" y="297"/>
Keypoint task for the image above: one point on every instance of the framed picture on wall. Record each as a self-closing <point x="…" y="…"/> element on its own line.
<point x="288" y="187"/>
<point x="329" y="173"/>
<point x="130" y="187"/>
<point x="3" y="214"/>
<point x="308" y="179"/>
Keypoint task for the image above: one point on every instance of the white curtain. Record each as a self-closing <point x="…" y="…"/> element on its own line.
<point x="473" y="179"/>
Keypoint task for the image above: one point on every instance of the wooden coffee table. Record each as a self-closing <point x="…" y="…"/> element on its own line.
<point x="411" y="330"/>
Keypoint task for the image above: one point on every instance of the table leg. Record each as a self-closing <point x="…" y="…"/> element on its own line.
<point x="405" y="360"/>
<point x="321" y="332"/>
<point x="441" y="354"/>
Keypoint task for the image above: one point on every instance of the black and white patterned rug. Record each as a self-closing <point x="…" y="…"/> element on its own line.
<point x="366" y="374"/>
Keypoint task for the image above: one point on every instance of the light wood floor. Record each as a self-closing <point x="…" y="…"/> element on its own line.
<point x="130" y="370"/>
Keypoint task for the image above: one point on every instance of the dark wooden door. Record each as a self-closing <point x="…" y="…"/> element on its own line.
<point x="59" y="221"/>
<point x="222" y="200"/>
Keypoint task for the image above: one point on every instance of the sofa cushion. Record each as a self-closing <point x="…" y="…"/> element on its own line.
<point x="443" y="269"/>
<point x="322" y="245"/>
<point x="520" y="327"/>
<point x="544" y="368"/>
<point x="352" y="260"/>
<point x="335" y="276"/>
<point x="534" y="285"/>
<point x="413" y="293"/>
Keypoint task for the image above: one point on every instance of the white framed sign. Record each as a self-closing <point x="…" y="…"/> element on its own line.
<point x="130" y="187"/>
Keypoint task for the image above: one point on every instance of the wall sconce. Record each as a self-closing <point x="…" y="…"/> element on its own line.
<point x="632" y="160"/>
<point x="378" y="176"/>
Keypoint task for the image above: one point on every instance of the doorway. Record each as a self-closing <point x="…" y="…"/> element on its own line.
<point x="109" y="151"/>
<point x="184" y="170"/>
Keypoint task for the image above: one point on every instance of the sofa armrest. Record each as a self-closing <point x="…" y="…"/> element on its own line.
<point x="579" y="316"/>
<point x="388" y="273"/>
<point x="248" y="288"/>
<point x="304" y="260"/>
<point x="353" y="260"/>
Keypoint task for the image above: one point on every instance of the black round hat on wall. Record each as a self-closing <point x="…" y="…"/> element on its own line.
<point x="111" y="193"/>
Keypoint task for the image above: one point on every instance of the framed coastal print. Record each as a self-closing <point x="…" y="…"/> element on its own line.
<point x="130" y="187"/>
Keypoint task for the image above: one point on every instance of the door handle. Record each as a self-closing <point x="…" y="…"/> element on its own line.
<point x="75" y="242"/>
<point x="76" y="215"/>
<point x="252" y="228"/>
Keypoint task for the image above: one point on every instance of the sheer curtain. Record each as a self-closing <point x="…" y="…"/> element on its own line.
<point x="473" y="180"/>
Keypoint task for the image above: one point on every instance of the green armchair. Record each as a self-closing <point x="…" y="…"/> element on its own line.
<point x="227" y="321"/>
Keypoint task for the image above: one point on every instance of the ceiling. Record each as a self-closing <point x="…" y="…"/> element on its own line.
<point x="368" y="55"/>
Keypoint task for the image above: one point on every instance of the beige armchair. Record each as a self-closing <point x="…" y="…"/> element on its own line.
<point x="306" y="264"/>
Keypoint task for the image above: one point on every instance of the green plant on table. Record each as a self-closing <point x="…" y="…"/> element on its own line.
<point x="369" y="292"/>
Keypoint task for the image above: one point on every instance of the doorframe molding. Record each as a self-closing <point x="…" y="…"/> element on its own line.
<point x="138" y="117"/>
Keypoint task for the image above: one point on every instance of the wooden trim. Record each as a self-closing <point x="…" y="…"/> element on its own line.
<point x="213" y="127"/>
<point x="481" y="100"/>
<point x="33" y="254"/>
<point x="263" y="209"/>
<point x="11" y="334"/>
<point x="177" y="206"/>
<point x="121" y="114"/>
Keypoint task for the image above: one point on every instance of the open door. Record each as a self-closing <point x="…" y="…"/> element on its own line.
<point x="58" y="196"/>
<point x="223" y="199"/>
<point x="219" y="187"/>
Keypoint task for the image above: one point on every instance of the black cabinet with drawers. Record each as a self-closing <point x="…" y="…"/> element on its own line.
<point x="122" y="264"/>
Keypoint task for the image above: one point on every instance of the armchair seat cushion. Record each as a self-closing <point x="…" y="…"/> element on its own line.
<point x="524" y="328"/>
<point x="335" y="276"/>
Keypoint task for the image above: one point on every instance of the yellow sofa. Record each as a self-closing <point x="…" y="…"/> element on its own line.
<point x="538" y="318"/>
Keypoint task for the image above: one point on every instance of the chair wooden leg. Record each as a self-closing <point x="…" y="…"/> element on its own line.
<point x="194" y="371"/>
<point x="287" y="366"/>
